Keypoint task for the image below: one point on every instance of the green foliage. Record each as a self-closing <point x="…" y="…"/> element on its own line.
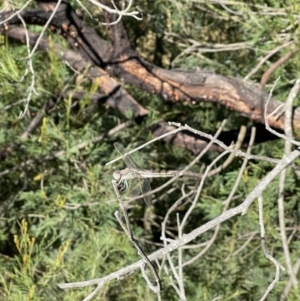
<point x="57" y="210"/>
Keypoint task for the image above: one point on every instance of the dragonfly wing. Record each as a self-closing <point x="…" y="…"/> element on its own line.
<point x="146" y="188"/>
<point x="135" y="187"/>
<point x="139" y="186"/>
<point x="127" y="158"/>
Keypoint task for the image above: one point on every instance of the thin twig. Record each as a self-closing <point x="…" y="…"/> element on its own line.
<point x="186" y="238"/>
<point x="271" y="114"/>
<point x="288" y="127"/>
<point x="229" y="198"/>
<point x="264" y="59"/>
<point x="268" y="256"/>
<point x="128" y="232"/>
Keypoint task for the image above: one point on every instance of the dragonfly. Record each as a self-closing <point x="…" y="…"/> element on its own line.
<point x="139" y="183"/>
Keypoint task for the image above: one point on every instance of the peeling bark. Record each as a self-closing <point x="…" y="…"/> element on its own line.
<point x="117" y="58"/>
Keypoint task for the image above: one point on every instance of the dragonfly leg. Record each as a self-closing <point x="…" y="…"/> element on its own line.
<point x="123" y="185"/>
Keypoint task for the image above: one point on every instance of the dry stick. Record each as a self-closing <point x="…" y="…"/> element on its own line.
<point x="202" y="153"/>
<point x="186" y="238"/>
<point x="31" y="53"/>
<point x="289" y="140"/>
<point x="247" y="234"/>
<point x="294" y="231"/>
<point x="30" y="68"/>
<point x="268" y="256"/>
<point x="143" y="145"/>
<point x="290" y="284"/>
<point x="262" y="61"/>
<point x="161" y="197"/>
<point x="16" y="13"/>
<point x="271" y="114"/>
<point x="34" y="123"/>
<point x="171" y="281"/>
<point x="13" y="104"/>
<point x="198" y="192"/>
<point x="216" y="298"/>
<point x="218" y="169"/>
<point x="242" y="208"/>
<point x="94" y="292"/>
<point x="224" y="146"/>
<point x="193" y="206"/>
<point x="180" y="270"/>
<point x="141" y="253"/>
<point x="243" y="167"/>
<point x="200" y="133"/>
<point x="117" y="11"/>
<point x="85" y="9"/>
<point x="170" y="210"/>
<point x="231" y="157"/>
<point x="287" y="149"/>
<point x="276" y="65"/>
<point x="242" y="247"/>
<point x="191" y="46"/>
<point x="177" y="277"/>
<point x="245" y="257"/>
<point x="163" y="232"/>
<point x="230" y="197"/>
<point x="232" y="12"/>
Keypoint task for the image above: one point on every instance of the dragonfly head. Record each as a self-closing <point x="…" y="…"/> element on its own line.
<point x="117" y="175"/>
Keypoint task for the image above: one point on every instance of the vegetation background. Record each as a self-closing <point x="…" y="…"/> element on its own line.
<point x="57" y="219"/>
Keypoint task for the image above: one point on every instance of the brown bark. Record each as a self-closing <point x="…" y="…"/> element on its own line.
<point x="118" y="59"/>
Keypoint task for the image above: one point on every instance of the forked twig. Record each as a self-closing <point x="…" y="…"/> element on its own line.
<point x="127" y="229"/>
<point x="268" y="256"/>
